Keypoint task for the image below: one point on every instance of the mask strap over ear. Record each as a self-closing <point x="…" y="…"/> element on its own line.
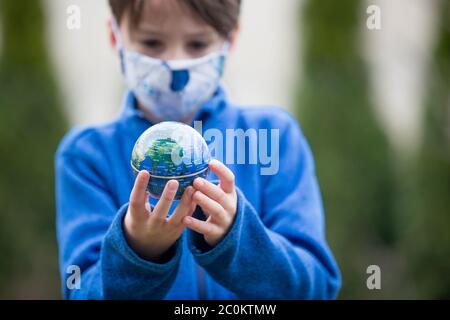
<point x="116" y="31"/>
<point x="226" y="46"/>
<point x="119" y="42"/>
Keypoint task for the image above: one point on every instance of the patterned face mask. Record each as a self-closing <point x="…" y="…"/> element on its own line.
<point x="171" y="89"/>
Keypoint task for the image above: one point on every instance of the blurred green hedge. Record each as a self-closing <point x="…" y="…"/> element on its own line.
<point x="426" y="193"/>
<point x="379" y="210"/>
<point x="31" y="125"/>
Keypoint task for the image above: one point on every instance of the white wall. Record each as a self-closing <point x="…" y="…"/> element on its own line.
<point x="399" y="55"/>
<point x="266" y="64"/>
<point x="87" y="67"/>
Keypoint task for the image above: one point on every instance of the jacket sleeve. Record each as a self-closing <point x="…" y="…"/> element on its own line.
<point x="91" y="238"/>
<point x="280" y="252"/>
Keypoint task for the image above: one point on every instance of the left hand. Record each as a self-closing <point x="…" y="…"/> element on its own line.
<point x="218" y="202"/>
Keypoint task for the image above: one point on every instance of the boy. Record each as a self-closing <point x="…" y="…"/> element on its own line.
<point x="249" y="236"/>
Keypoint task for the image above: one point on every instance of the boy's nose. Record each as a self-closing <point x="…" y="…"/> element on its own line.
<point x="175" y="52"/>
<point x="180" y="79"/>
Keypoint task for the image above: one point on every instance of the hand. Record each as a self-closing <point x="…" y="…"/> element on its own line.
<point x="218" y="202"/>
<point x="148" y="232"/>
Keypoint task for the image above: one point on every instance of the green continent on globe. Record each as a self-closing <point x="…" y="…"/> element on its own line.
<point x="161" y="153"/>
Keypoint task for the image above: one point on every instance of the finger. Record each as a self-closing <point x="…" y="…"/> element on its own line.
<point x="225" y="175"/>
<point x="192" y="208"/>
<point x="211" y="190"/>
<point x="183" y="207"/>
<point x="138" y="194"/>
<point x="165" y="201"/>
<point x="210" y="206"/>
<point x="147" y="202"/>
<point x="203" y="227"/>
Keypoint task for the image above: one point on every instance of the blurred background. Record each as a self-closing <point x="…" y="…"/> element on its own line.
<point x="374" y="104"/>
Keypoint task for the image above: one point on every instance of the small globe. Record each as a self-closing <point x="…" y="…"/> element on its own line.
<point x="170" y="150"/>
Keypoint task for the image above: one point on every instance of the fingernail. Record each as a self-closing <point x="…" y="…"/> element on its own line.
<point x="188" y="220"/>
<point x="142" y="174"/>
<point x="200" y="182"/>
<point x="213" y="162"/>
<point x="172" y="185"/>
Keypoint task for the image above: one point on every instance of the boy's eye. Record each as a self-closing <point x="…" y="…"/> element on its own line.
<point x="153" y="43"/>
<point x="197" y="45"/>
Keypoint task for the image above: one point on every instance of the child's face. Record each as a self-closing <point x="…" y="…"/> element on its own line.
<point x="169" y="31"/>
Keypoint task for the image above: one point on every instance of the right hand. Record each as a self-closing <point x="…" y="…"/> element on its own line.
<point x="147" y="231"/>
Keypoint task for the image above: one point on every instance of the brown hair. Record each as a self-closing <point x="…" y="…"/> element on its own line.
<point x="222" y="15"/>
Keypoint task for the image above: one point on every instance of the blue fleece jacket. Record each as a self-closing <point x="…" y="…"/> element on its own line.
<point x="275" y="249"/>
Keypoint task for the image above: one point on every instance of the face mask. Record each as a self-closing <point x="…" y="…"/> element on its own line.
<point x="171" y="90"/>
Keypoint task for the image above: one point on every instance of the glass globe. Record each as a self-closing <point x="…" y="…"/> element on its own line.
<point x="170" y="150"/>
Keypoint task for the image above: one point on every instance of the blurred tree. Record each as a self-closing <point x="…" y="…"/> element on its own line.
<point x="31" y="124"/>
<point x="426" y="201"/>
<point x="351" y="152"/>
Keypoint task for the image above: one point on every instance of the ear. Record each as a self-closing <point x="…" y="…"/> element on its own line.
<point x="111" y="35"/>
<point x="234" y="36"/>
